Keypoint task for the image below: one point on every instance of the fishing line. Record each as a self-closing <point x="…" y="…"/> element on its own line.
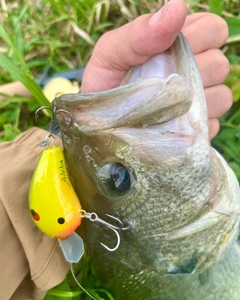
<point x="73" y="275"/>
<point x="224" y="50"/>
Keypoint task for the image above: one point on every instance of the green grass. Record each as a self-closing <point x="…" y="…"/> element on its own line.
<point x="61" y="34"/>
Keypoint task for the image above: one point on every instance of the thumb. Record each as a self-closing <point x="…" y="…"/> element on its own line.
<point x="131" y="45"/>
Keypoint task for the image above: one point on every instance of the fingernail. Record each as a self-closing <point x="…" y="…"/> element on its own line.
<point x="158" y="16"/>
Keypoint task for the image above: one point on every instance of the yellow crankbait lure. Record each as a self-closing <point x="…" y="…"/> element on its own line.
<point x="53" y="203"/>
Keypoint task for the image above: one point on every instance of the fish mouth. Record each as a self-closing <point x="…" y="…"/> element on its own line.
<point x="154" y="93"/>
<point x="161" y="66"/>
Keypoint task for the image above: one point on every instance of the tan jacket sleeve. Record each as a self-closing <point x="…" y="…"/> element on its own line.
<point x="30" y="262"/>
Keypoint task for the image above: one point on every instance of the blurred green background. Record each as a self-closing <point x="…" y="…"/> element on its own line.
<point x="61" y="34"/>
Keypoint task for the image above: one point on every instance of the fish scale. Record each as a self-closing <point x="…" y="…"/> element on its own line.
<point x="169" y="197"/>
<point x="176" y="194"/>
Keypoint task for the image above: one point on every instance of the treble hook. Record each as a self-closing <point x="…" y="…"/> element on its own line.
<point x="66" y="112"/>
<point x="95" y="218"/>
<point x="49" y="140"/>
<point x="50" y="137"/>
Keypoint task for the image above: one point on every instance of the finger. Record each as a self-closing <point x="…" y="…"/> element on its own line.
<point x="194" y="17"/>
<point x="213" y="127"/>
<point x="219" y="100"/>
<point x="196" y="28"/>
<point x="131" y="45"/>
<point x="213" y="67"/>
<point x="151" y="34"/>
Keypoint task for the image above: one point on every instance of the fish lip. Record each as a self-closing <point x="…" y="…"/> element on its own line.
<point x="142" y="103"/>
<point x="76" y="104"/>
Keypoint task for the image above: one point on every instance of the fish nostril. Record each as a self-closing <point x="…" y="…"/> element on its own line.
<point x="61" y="220"/>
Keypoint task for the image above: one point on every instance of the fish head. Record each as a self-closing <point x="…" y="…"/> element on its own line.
<point x="141" y="152"/>
<point x="150" y="122"/>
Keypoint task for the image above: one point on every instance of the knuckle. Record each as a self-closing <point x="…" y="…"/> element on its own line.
<point x="103" y="39"/>
<point x="219" y="67"/>
<point x="223" y="65"/>
<point x="220" y="28"/>
<point x="214" y="127"/>
<point x="227" y="98"/>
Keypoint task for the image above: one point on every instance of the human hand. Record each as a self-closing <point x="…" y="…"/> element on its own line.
<point x="134" y="43"/>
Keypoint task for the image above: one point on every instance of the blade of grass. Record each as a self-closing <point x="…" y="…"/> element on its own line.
<point x="10" y="132"/>
<point x="17" y="33"/>
<point x="64" y="294"/>
<point x="20" y="73"/>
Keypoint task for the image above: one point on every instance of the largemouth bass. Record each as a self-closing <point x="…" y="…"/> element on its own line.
<point x="141" y="152"/>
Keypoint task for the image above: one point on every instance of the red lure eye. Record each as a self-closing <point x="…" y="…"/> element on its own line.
<point x="35" y="215"/>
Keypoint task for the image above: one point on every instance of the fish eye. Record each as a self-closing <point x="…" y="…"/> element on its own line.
<point x="116" y="178"/>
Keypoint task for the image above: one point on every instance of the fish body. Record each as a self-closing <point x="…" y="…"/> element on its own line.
<point x="141" y="152"/>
